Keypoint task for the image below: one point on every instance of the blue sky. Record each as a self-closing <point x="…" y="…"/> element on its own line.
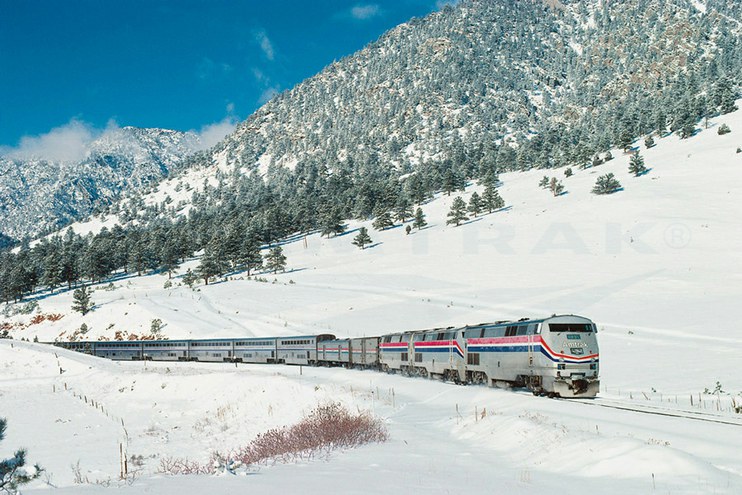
<point x="179" y="64"/>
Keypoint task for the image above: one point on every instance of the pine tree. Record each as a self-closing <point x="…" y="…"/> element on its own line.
<point x="556" y="187"/>
<point x="52" y="274"/>
<point x="403" y="210"/>
<point x="687" y="130"/>
<point x="383" y="221"/>
<point x="457" y="214"/>
<point x="155" y="327"/>
<point x="81" y="300"/>
<point x="189" y="278"/>
<point x="249" y="255"/>
<point x="475" y="204"/>
<point x="636" y="166"/>
<point x="723" y="129"/>
<point x="491" y="199"/>
<point x="568" y="172"/>
<point x="331" y="223"/>
<point x="275" y="260"/>
<point x="606" y="184"/>
<point x="649" y="142"/>
<point x="449" y="182"/>
<point x="210" y="266"/>
<point x="13" y="471"/>
<point x="625" y="140"/>
<point x="419" y="221"/>
<point x="169" y="257"/>
<point x="362" y="239"/>
<point x="544" y="183"/>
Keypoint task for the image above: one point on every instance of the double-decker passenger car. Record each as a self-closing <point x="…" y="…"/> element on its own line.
<point x="557" y="356"/>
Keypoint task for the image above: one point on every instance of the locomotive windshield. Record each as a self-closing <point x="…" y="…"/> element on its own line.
<point x="571" y="327"/>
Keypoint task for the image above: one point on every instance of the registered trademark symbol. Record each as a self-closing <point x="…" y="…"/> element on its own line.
<point x="677" y="236"/>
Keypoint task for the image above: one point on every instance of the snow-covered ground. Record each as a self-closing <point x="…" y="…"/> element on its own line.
<point x="656" y="265"/>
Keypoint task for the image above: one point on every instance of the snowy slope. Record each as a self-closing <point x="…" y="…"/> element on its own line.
<point x="655" y="265"/>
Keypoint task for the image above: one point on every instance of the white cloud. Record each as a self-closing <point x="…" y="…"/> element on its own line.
<point x="67" y="143"/>
<point x="208" y="69"/>
<point x="364" y="12"/>
<point x="211" y="134"/>
<point x="261" y="38"/>
<point x="270" y="89"/>
<point x="267" y="94"/>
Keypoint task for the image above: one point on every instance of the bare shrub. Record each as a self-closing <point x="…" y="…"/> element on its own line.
<point x="326" y="428"/>
<point x="177" y="465"/>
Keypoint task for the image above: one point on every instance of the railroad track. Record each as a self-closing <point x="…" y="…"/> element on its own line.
<point x="661" y="411"/>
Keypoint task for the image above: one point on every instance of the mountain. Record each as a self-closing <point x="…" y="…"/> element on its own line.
<point x="558" y="81"/>
<point x="40" y="195"/>
<point x="465" y="93"/>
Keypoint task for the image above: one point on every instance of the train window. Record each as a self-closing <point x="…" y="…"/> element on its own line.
<point x="387" y="339"/>
<point x="472" y="358"/>
<point x="419" y="336"/>
<point x="404" y="356"/>
<point x="511" y="330"/>
<point x="439" y="336"/>
<point x="522" y="329"/>
<point x="418" y="357"/>
<point x="492" y="332"/>
<point x="570" y="327"/>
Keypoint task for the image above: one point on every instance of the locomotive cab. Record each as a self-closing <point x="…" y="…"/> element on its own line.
<point x="569" y="349"/>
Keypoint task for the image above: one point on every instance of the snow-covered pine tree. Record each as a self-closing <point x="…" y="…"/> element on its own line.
<point x="331" y="223"/>
<point x="606" y="184"/>
<point x="81" y="300"/>
<point x="189" y="278"/>
<point x="723" y="129"/>
<point x="275" y="260"/>
<point x="362" y="239"/>
<point x="491" y="199"/>
<point x="419" y="221"/>
<point x="457" y="214"/>
<point x="636" y="165"/>
<point x="383" y="221"/>
<point x="250" y="257"/>
<point x="544" y="182"/>
<point x="649" y="142"/>
<point x="13" y="471"/>
<point x="209" y="266"/>
<point x="403" y="210"/>
<point x="475" y="204"/>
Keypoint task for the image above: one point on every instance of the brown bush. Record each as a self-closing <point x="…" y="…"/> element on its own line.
<point x="326" y="428"/>
<point x="176" y="465"/>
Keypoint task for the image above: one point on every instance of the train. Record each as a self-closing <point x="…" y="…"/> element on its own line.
<point x="556" y="356"/>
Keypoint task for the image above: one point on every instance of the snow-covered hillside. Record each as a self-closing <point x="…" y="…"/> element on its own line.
<point x="655" y="265"/>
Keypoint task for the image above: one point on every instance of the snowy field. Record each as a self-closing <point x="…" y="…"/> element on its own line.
<point x="656" y="266"/>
